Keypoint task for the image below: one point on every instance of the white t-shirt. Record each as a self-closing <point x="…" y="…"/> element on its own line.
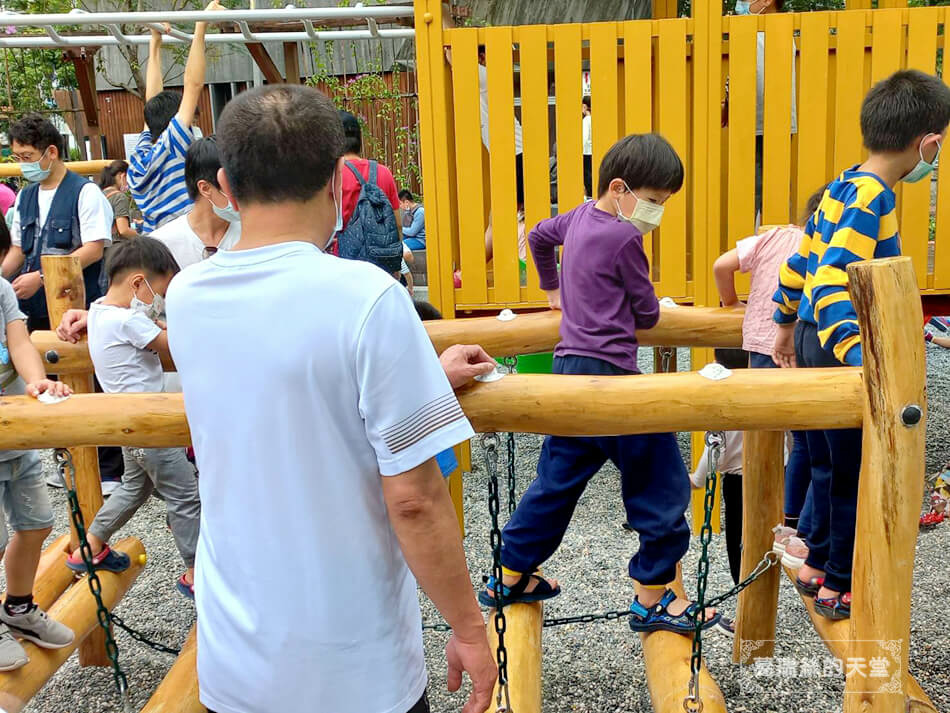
<point x="95" y="214"/>
<point x="588" y="136"/>
<point x="184" y="243"/>
<point x="117" y="340"/>
<point x="345" y="386"/>
<point x="483" y="101"/>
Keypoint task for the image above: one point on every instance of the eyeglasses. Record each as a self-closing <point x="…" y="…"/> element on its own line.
<point x="208" y="251"/>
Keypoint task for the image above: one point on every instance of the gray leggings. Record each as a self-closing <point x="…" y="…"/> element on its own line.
<point x="167" y="473"/>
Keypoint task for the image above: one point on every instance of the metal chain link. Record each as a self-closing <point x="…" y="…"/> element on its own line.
<point x="666" y="355"/>
<point x="587" y="618"/>
<point x="769" y="560"/>
<point x="67" y="472"/>
<point x="512" y="364"/>
<point x="490" y="446"/>
<point x="142" y="638"/>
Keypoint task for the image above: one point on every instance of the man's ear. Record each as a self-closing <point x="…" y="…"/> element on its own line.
<point x="226" y="188"/>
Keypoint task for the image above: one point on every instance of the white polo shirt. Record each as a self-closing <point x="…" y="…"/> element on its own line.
<point x="303" y="594"/>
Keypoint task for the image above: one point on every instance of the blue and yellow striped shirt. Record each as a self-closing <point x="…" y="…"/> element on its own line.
<point x="856" y="220"/>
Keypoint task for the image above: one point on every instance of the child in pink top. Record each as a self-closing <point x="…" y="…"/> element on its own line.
<point x="762" y="256"/>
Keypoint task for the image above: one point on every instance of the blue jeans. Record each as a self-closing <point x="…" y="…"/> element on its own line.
<point x="798" y="468"/>
<point x="835" y="457"/>
<point x="414" y="243"/>
<point x="653" y="483"/>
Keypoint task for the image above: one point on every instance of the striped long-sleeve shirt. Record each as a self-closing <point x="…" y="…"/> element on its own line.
<point x="157" y="175"/>
<point x="856" y="220"/>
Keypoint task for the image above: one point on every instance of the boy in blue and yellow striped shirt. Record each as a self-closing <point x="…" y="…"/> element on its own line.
<point x="904" y="122"/>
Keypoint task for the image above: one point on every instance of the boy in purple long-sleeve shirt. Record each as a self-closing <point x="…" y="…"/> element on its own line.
<point x="605" y="294"/>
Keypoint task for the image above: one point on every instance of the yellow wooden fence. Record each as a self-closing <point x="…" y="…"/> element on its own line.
<point x="669" y="76"/>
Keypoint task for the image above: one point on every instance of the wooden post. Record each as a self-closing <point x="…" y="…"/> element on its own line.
<point x="77" y="610"/>
<point x="65" y="290"/>
<point x="178" y="691"/>
<point x="887" y="302"/>
<point x="523" y="642"/>
<point x="763" y="475"/>
<point x="264" y="63"/>
<point x="291" y="65"/>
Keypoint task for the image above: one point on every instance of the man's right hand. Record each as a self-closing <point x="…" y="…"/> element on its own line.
<point x="476" y="659"/>
<point x="73" y="325"/>
<point x="463" y="362"/>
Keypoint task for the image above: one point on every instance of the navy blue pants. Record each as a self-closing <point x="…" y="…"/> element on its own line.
<point x="653" y="482"/>
<point x="835" y="458"/>
<point x="798" y="468"/>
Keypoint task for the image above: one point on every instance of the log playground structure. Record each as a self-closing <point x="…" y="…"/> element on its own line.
<point x="886" y="397"/>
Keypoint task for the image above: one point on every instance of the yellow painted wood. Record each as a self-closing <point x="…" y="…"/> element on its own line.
<point x="534" y="120"/>
<point x="567" y="83"/>
<point x="857" y="4"/>
<point x="603" y="80"/>
<point x="812" y="110"/>
<point x="742" y="112"/>
<point x="941" y="277"/>
<point x="504" y="203"/>
<point x="472" y="224"/>
<point x="887" y="43"/>
<point x="638" y="76"/>
<point x="671" y="88"/>
<point x="849" y="90"/>
<point x="664" y="9"/>
<point x="776" y="154"/>
<point x="915" y="197"/>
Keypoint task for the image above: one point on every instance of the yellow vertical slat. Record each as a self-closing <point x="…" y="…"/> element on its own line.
<point x="568" y="91"/>
<point x="942" y="240"/>
<point x="671" y="88"/>
<point x="638" y="76"/>
<point x="813" y="108"/>
<point x="534" y="115"/>
<point x="849" y="90"/>
<point x="603" y="89"/>
<point x="886" y="36"/>
<point x="777" y="123"/>
<point x="742" y="113"/>
<point x="915" y="198"/>
<point x="466" y="95"/>
<point x="501" y="129"/>
<point x="857" y="4"/>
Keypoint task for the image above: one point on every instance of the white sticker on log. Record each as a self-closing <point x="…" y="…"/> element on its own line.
<point x="493" y="375"/>
<point x="715" y="372"/>
<point x="506" y="315"/>
<point x="48" y="398"/>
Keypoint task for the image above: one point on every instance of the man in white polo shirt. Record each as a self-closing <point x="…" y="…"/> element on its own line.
<point x="321" y="469"/>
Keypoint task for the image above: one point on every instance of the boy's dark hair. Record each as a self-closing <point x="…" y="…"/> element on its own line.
<point x="811" y="206"/>
<point x="147" y="254"/>
<point x="405" y="195"/>
<point x="5" y="241"/>
<point x="732" y="358"/>
<point x="279" y="142"/>
<point x="159" y="111"/>
<point x="642" y="161"/>
<point x="37" y="131"/>
<point x="107" y="177"/>
<point x="352" y="132"/>
<point x="201" y="164"/>
<point x="902" y="108"/>
<point x="481" y="49"/>
<point x="426" y="311"/>
<point x="586" y="102"/>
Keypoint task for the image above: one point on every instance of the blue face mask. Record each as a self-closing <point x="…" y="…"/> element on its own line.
<point x="33" y="172"/>
<point x="923" y="168"/>
<point x="742" y="7"/>
<point x="228" y="213"/>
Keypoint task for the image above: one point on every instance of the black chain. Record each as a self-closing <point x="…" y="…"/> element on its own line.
<point x="142" y="638"/>
<point x="490" y="445"/>
<point x="512" y="364"/>
<point x="436" y="627"/>
<point x="587" y="618"/>
<point x="769" y="560"/>
<point x="666" y="354"/>
<point x="64" y="460"/>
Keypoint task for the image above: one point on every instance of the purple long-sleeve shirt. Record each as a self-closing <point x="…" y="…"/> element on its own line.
<point x="606" y="292"/>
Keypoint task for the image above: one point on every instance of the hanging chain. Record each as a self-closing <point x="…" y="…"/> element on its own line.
<point x="143" y="639"/>
<point x="490" y="445"/>
<point x="67" y="472"/>
<point x="512" y="365"/>
<point x="666" y="356"/>
<point x="769" y="560"/>
<point x="588" y="618"/>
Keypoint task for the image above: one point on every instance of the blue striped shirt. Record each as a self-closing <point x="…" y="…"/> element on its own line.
<point x="157" y="175"/>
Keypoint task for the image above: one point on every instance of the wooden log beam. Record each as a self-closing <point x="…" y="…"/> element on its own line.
<point x="769" y="399"/>
<point x="763" y="475"/>
<point x="178" y="691"/>
<point x="83" y="168"/>
<point x="291" y="63"/>
<point x="265" y="63"/>
<point x="53" y="577"/>
<point x="887" y="302"/>
<point x="523" y="643"/>
<point x="526" y="334"/>
<point x="83" y="61"/>
<point x="77" y="610"/>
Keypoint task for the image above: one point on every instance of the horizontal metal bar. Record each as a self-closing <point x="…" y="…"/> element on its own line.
<point x="183" y="36"/>
<point x="187" y="16"/>
<point x="39" y="42"/>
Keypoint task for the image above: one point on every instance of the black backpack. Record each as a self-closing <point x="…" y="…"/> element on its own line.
<point x="371" y="234"/>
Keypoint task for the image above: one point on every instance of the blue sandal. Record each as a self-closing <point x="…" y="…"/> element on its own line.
<point x="516" y="593"/>
<point x="810" y="588"/>
<point x="658" y="617"/>
<point x="834" y="608"/>
<point x="108" y="560"/>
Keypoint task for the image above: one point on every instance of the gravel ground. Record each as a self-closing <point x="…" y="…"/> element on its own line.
<point x="587" y="668"/>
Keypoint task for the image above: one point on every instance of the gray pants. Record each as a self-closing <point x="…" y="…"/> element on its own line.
<point x="167" y="473"/>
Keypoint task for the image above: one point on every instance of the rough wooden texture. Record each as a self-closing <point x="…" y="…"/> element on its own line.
<point x="523" y="642"/>
<point x="65" y="290"/>
<point x="887" y="302"/>
<point x="64" y="358"/>
<point x="178" y="691"/>
<point x="84" y="168"/>
<point x="837" y="637"/>
<point x="77" y="610"/>
<point x="763" y="474"/>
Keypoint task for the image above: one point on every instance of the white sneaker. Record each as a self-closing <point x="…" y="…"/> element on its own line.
<point x="37" y="627"/>
<point x="12" y="655"/>
<point x="782" y="536"/>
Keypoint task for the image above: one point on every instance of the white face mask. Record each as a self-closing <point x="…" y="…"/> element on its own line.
<point x="153" y="311"/>
<point x="645" y="217"/>
<point x="228" y="213"/>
